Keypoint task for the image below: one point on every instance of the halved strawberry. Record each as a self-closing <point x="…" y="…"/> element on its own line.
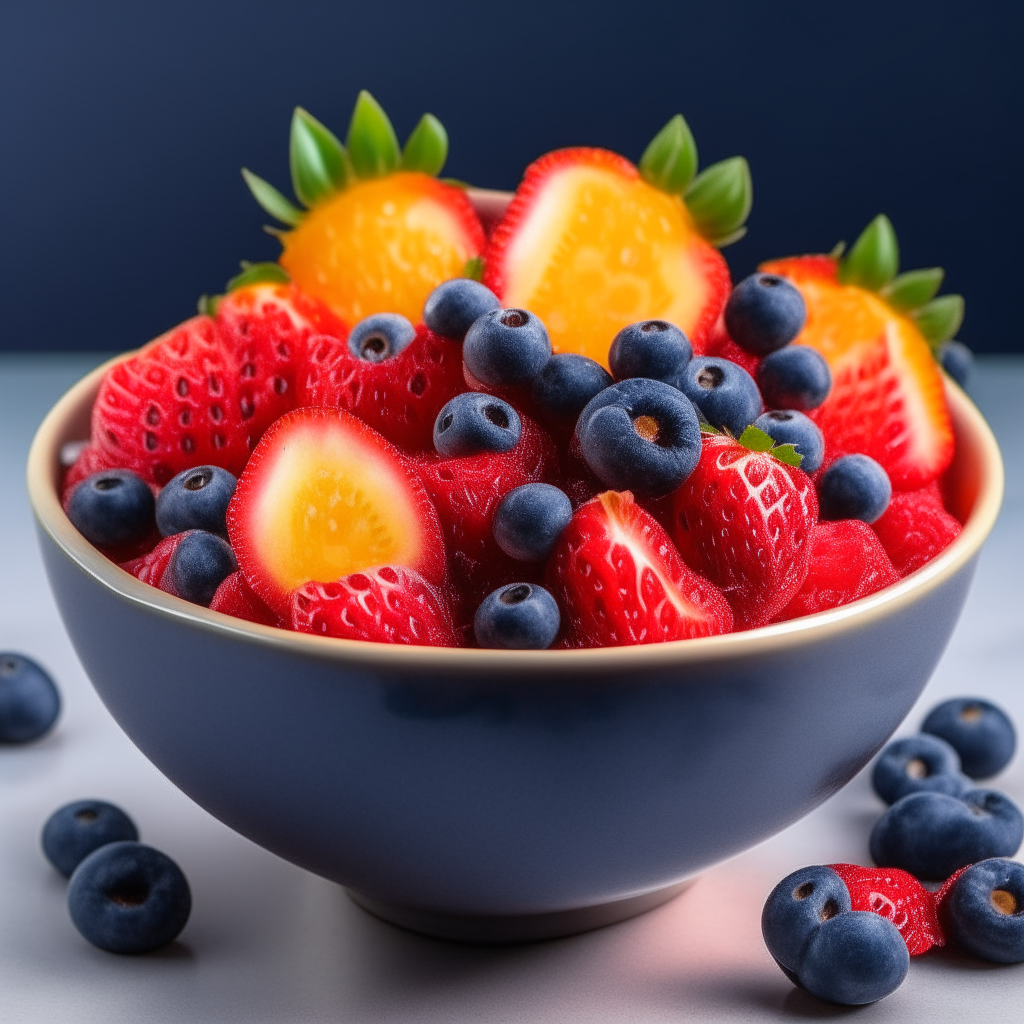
<point x="233" y="597"/>
<point x="915" y="528"/>
<point x="589" y="246"/>
<point x="400" y="397"/>
<point x="323" y="496"/>
<point x="619" y="580"/>
<point x="744" y="520"/>
<point x="390" y="604"/>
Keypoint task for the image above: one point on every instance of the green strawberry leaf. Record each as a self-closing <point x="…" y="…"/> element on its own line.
<point x="734" y="236"/>
<point x="837" y="251"/>
<point x="372" y="144"/>
<point x="258" y="273"/>
<point x="720" y="197"/>
<point x="875" y="257"/>
<point x="271" y="200"/>
<point x="757" y="440"/>
<point x="788" y="454"/>
<point x="913" y="289"/>
<point x="670" y="160"/>
<point x="706" y="428"/>
<point x="474" y="268"/>
<point x="940" y="319"/>
<point x="426" y="149"/>
<point x="316" y="157"/>
<point x="207" y="304"/>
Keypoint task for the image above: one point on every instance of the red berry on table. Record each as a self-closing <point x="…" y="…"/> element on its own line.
<point x="915" y="528"/>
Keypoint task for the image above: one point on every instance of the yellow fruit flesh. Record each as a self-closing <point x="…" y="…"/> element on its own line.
<point x="598" y="252"/>
<point x="380" y="246"/>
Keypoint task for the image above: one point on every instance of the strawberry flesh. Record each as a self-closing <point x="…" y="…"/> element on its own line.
<point x="915" y="528"/>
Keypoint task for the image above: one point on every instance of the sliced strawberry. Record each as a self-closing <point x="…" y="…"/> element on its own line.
<point x="400" y="397"/>
<point x="744" y="519"/>
<point x="589" y="247"/>
<point x="323" y="496"/>
<point x="899" y="898"/>
<point x="847" y="563"/>
<point x="233" y="597"/>
<point x="620" y="581"/>
<point x="390" y="605"/>
<point x="887" y="397"/>
<point x="150" y="568"/>
<point x="915" y="528"/>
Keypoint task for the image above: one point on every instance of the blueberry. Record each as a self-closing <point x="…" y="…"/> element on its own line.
<point x="506" y="348"/>
<point x="73" y="831"/>
<point x="918" y="764"/>
<point x="795" y="908"/>
<point x="568" y="381"/>
<point x="795" y="377"/>
<point x="854" y="958"/>
<point x="380" y="337"/>
<point x="931" y="835"/>
<point x="199" y="565"/>
<point x="653" y="349"/>
<point x="453" y="305"/>
<point x="981" y="734"/>
<point x="640" y="435"/>
<point x="112" y="507"/>
<point x="473" y="422"/>
<point x="986" y="911"/>
<point x="517" y="616"/>
<point x="764" y="312"/>
<point x="29" y="699"/>
<point x="788" y="426"/>
<point x="127" y="897"/>
<point x="854" y="487"/>
<point x="725" y="393"/>
<point x="529" y="521"/>
<point x="957" y="360"/>
<point x="196" y="499"/>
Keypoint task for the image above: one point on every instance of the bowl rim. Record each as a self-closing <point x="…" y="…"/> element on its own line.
<point x="43" y="473"/>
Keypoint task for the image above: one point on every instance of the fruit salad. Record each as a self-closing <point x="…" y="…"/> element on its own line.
<point x="567" y="430"/>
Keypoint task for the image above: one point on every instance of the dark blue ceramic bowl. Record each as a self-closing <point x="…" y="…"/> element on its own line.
<point x="506" y="795"/>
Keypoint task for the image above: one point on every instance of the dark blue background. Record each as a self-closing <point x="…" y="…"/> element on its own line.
<point x="123" y="126"/>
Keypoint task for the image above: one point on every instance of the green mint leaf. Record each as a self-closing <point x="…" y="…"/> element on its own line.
<point x="372" y="144"/>
<point x="316" y="157"/>
<point x="271" y="200"/>
<point x="426" y="149"/>
<point x="670" y="160"/>
<point x="474" y="268"/>
<point x="720" y="197"/>
<point x="756" y="439"/>
<point x="258" y="273"/>
<point x="706" y="428"/>
<point x="940" y="319"/>
<point x="875" y="257"/>
<point x="913" y="289"/>
<point x="788" y="454"/>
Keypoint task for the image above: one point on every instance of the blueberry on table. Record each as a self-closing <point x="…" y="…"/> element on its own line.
<point x="73" y="831"/>
<point x="506" y="348"/>
<point x="520" y="616"/>
<point x="195" y="499"/>
<point x="986" y="911"/>
<point x="381" y="336"/>
<point x="29" y="699"/>
<point x="795" y="377"/>
<point x="764" y="312"/>
<point x="112" y="507"/>
<point x="640" y="435"/>
<point x="453" y="306"/>
<point x="724" y="392"/>
<point x="567" y="383"/>
<point x="529" y="520"/>
<point x="854" y="487"/>
<point x="917" y="764"/>
<point x="789" y="426"/>
<point x="932" y="835"/>
<point x="473" y="422"/>
<point x="654" y="349"/>
<point x="981" y="733"/>
<point x="199" y="565"/>
<point x="795" y="908"/>
<point x="127" y="897"/>
<point x="957" y="360"/>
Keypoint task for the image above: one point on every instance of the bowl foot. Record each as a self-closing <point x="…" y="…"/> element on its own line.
<point x="499" y="930"/>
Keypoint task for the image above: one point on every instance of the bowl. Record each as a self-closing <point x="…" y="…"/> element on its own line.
<point x="506" y="795"/>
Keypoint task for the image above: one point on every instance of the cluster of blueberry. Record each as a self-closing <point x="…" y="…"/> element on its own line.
<point x="938" y="827"/>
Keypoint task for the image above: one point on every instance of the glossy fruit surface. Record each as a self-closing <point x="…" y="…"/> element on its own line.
<point x="73" y="831"/>
<point x="234" y="597"/>
<point x="29" y="699"/>
<point x="980" y="732"/>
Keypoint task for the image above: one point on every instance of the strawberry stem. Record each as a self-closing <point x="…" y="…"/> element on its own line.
<point x="316" y="157"/>
<point x="426" y="149"/>
<point x="913" y="289"/>
<point x="720" y="198"/>
<point x="271" y="200"/>
<point x="940" y="319"/>
<point x="258" y="273"/>
<point x="670" y="159"/>
<point x="371" y="141"/>
<point x="875" y="257"/>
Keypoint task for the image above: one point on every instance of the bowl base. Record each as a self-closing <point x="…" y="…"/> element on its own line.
<point x="499" y="930"/>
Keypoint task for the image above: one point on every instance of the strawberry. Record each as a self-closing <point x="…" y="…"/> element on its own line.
<point x="915" y="528"/>
<point x="940" y="896"/>
<point x="898" y="897"/>
<point x="380" y="232"/>
<point x="390" y="604"/>
<point x="233" y="597"/>
<point x="847" y="563"/>
<point x="744" y="520"/>
<point x="323" y="496"/>
<point x="400" y="397"/>
<point x="150" y="568"/>
<point x="723" y="347"/>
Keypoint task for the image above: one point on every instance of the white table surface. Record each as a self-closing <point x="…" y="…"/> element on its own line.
<point x="268" y="942"/>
